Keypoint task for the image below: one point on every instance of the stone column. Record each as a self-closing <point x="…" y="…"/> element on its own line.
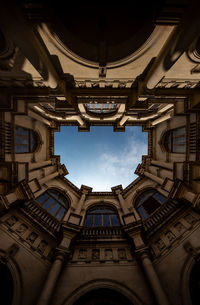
<point x="122" y="202"/>
<point x="52" y="279"/>
<point x="153" y="279"/>
<point x="85" y="191"/>
<point x="69" y="232"/>
<point x="135" y="216"/>
<point x="141" y="250"/>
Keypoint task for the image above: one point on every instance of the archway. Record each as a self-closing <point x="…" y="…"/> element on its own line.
<point x="194" y="284"/>
<point x="103" y="296"/>
<point x="6" y="285"/>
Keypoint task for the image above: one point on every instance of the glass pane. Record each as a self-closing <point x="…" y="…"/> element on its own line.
<point x="48" y="203"/>
<point x="21" y="130"/>
<point x="179" y="148"/>
<point x="144" y="197"/>
<point x="160" y="197"/>
<point x="106" y="220"/>
<point x="89" y="106"/>
<point x="59" y="197"/>
<point x="88" y="221"/>
<point x="151" y="205"/>
<point x="53" y="194"/>
<point x="54" y="209"/>
<point x="62" y="200"/>
<point x="142" y="213"/>
<point x="179" y="140"/>
<point x="21" y="149"/>
<point x="115" y="220"/>
<point x="179" y="131"/>
<point x="61" y="213"/>
<point x="101" y="210"/>
<point x="21" y="140"/>
<point x="42" y="198"/>
<point x="97" y="220"/>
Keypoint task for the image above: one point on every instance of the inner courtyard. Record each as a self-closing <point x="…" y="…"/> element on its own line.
<point x="132" y="70"/>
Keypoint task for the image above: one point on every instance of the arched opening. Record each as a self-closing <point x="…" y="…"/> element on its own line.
<point x="54" y="202"/>
<point x="25" y="139"/>
<point x="103" y="296"/>
<point x="6" y="285"/>
<point x="148" y="202"/>
<point x="194" y="283"/>
<point x="174" y="140"/>
<point x="101" y="215"/>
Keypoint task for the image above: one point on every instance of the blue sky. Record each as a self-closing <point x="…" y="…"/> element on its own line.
<point x="101" y="158"/>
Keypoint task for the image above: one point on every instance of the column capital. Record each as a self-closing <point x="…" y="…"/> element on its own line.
<point x="183" y="191"/>
<point x="85" y="189"/>
<point x="21" y="192"/>
<point x="24" y="191"/>
<point x="143" y="253"/>
<point x="117" y="189"/>
<point x="62" y="170"/>
<point x="134" y="231"/>
<point x="69" y="231"/>
<point x="139" y="170"/>
<point x="61" y="254"/>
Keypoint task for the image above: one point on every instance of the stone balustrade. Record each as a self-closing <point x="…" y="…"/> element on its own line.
<point x="39" y="215"/>
<point x="165" y="211"/>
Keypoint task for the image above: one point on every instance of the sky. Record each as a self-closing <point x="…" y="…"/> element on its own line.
<point x="101" y="158"/>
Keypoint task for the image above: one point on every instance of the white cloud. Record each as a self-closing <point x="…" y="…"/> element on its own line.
<point x="111" y="167"/>
<point x="121" y="167"/>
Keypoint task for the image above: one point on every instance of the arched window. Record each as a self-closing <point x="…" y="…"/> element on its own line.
<point x="54" y="202"/>
<point x="148" y="202"/>
<point x="175" y="140"/>
<point x="101" y="216"/>
<point x="25" y="140"/>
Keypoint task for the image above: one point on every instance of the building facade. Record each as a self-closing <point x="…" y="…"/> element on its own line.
<point x="62" y="245"/>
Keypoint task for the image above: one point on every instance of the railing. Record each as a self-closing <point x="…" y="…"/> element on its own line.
<point x="164" y="212"/>
<point x="33" y="210"/>
<point x="101" y="232"/>
<point x="193" y="138"/>
<point x="5" y="138"/>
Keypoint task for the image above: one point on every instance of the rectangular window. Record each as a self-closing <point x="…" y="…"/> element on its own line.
<point x="106" y="220"/>
<point x="115" y="220"/>
<point x="179" y="140"/>
<point x="24" y="140"/>
<point x="88" y="221"/>
<point x="61" y="213"/>
<point x="97" y="220"/>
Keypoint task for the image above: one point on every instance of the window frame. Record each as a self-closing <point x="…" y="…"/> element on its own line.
<point x="52" y="204"/>
<point x="91" y="212"/>
<point x="169" y="137"/>
<point x="144" y="214"/>
<point x="28" y="137"/>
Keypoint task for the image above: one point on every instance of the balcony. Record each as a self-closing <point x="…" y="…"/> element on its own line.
<point x="162" y="215"/>
<point x="101" y="233"/>
<point x="41" y="217"/>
